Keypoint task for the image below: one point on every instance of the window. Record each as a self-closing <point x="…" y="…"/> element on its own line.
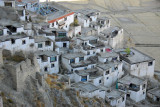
<point x="106" y="60"/>
<point x="40" y="45"/>
<point x="150" y="63"/>
<point x="48" y="43"/>
<point x="116" y="68"/>
<point x="144" y="86"/>
<point x="100" y="81"/>
<point x="1" y="32"/>
<point x="143" y="92"/>
<point x="115" y="58"/>
<point x="12" y="41"/>
<point x="56" y="23"/>
<point x="81" y="59"/>
<point x="52" y="65"/>
<point x="94" y="52"/>
<point x="85" y="43"/>
<point x="107" y="78"/>
<point x="92" y="66"/>
<point x="62" y="34"/>
<point x="53" y="59"/>
<point x="64" y="45"/>
<point x="45" y="69"/>
<point x="101" y="50"/>
<point x="71" y="70"/>
<point x="72" y="60"/>
<point x="107" y="72"/>
<point x="85" y="68"/>
<point x="88" y="53"/>
<point x="122" y="99"/>
<point x="84" y="78"/>
<point x="23" y="42"/>
<point x="8" y="4"/>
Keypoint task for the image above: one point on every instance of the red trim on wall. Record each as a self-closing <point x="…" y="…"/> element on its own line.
<point x="51" y="21"/>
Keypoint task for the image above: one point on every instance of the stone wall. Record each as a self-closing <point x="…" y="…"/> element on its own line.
<point x="21" y="71"/>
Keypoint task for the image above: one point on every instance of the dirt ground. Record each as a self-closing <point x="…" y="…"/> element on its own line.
<point x="140" y="20"/>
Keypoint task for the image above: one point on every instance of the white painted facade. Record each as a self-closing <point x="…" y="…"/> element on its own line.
<point x="62" y="44"/>
<point x="118" y="100"/>
<point x="141" y="69"/>
<point x="69" y="65"/>
<point x="63" y="23"/>
<point x="18" y="44"/>
<point x="47" y="65"/>
<point x="117" y="40"/>
<point x="136" y="89"/>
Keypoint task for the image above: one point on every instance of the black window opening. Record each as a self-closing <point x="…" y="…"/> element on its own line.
<point x="100" y="81"/>
<point x="52" y="65"/>
<point x="44" y="58"/>
<point x="13" y="41"/>
<point x="134" y="87"/>
<point x="1" y="32"/>
<point x="158" y="99"/>
<point x="115" y="68"/>
<point x="12" y="29"/>
<point x="150" y="63"/>
<point x="107" y="78"/>
<point x="84" y="78"/>
<point x="64" y="45"/>
<point x="122" y="99"/>
<point x="128" y="95"/>
<point x="101" y="50"/>
<point x="144" y="86"/>
<point x="23" y="42"/>
<point x="48" y="43"/>
<point x="107" y="72"/>
<point x="45" y="69"/>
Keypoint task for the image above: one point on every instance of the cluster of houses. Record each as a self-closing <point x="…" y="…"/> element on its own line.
<point x="81" y="42"/>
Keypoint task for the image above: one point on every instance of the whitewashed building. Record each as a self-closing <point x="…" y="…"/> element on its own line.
<point x="17" y="43"/>
<point x="112" y="36"/>
<point x="89" y="45"/>
<point x="76" y="61"/>
<point x="154" y="94"/>
<point x="137" y="63"/>
<point x="134" y="87"/>
<point x="116" y="98"/>
<point x="88" y="90"/>
<point x="48" y="61"/>
<point x="43" y="43"/>
<point x="86" y="16"/>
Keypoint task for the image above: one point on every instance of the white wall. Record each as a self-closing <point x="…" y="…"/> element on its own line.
<point x="48" y="64"/>
<point x="140" y="69"/>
